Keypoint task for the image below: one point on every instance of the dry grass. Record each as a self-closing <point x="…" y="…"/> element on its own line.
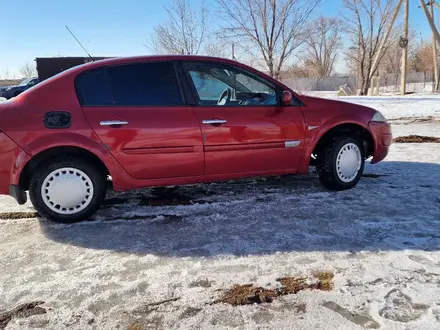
<point x="18" y="215"/>
<point x="325" y="281"/>
<point x="9" y="82"/>
<point x="292" y="285"/>
<point x="248" y="294"/>
<point x="416" y="139"/>
<point x="135" y="326"/>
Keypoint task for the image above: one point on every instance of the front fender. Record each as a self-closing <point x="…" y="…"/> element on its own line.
<point x="314" y="135"/>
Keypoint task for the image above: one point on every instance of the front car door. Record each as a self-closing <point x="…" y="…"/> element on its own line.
<point x="245" y="128"/>
<point x="139" y="112"/>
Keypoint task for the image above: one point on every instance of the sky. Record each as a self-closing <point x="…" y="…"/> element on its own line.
<point x="36" y="28"/>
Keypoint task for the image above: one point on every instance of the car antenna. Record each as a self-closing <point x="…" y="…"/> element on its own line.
<point x="80" y="43"/>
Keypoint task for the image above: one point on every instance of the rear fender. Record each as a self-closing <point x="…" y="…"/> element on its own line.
<point x="90" y="144"/>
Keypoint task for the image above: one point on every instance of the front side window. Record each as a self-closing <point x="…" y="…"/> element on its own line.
<point x="228" y="86"/>
<point x="139" y="84"/>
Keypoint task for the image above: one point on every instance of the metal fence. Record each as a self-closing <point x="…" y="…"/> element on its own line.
<point x="416" y="82"/>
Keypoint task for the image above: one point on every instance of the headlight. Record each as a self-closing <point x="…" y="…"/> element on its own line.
<point x="379" y="118"/>
<point x="7" y="89"/>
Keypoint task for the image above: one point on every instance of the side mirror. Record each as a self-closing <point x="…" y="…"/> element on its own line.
<point x="286" y="98"/>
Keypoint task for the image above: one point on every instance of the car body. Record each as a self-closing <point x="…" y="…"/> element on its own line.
<point x="173" y="120"/>
<point x="11" y="91"/>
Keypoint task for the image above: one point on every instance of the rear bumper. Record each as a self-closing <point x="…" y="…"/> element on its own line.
<point x="7" y="152"/>
<point x="9" y="169"/>
<point x="383" y="138"/>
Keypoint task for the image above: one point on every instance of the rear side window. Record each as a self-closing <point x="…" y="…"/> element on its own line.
<point x="140" y="84"/>
<point x="93" y="88"/>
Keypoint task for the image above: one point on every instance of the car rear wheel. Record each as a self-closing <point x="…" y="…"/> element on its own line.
<point x="341" y="163"/>
<point x="67" y="190"/>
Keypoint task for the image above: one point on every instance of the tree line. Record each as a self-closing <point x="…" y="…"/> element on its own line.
<point x="286" y="38"/>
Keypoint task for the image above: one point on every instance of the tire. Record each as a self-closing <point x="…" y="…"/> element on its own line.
<point x="341" y="163"/>
<point x="67" y="190"/>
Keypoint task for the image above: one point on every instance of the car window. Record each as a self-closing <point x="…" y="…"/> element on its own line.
<point x="139" y="84"/>
<point x="208" y="87"/>
<point x="25" y="82"/>
<point x="145" y="84"/>
<point x="93" y="88"/>
<point x="228" y="86"/>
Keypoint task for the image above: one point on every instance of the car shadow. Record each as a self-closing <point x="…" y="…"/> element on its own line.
<point x="395" y="206"/>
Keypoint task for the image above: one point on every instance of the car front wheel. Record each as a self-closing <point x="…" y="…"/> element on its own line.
<point x="341" y="163"/>
<point x="67" y="190"/>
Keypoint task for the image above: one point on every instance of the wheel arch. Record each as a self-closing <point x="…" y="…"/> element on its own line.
<point x="54" y="152"/>
<point x="352" y="129"/>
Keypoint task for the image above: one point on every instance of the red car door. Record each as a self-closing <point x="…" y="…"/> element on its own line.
<point x="244" y="127"/>
<point x="138" y="112"/>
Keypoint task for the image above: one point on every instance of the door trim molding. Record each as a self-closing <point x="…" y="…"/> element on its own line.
<point x="160" y="150"/>
<point x="244" y="146"/>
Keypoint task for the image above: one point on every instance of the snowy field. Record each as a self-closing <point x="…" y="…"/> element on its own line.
<point x="381" y="241"/>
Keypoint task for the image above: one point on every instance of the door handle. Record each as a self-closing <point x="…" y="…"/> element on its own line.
<point x="113" y="123"/>
<point x="214" y="121"/>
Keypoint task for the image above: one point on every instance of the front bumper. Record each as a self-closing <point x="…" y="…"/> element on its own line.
<point x="383" y="138"/>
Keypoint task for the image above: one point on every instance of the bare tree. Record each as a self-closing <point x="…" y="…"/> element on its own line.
<point x="366" y="22"/>
<point x="323" y="46"/>
<point x="423" y="59"/>
<point x="6" y="75"/>
<point x="273" y="29"/>
<point x="392" y="60"/>
<point x="28" y="71"/>
<point x="187" y="31"/>
<point x="301" y="70"/>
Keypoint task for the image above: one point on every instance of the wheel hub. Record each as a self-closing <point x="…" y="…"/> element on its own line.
<point x="348" y="162"/>
<point x="67" y="191"/>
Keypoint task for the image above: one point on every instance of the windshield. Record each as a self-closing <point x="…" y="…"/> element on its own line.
<point x="25" y="82"/>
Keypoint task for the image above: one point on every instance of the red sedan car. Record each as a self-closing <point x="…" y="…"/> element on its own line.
<point x="172" y="120"/>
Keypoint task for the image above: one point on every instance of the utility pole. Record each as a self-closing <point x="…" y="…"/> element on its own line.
<point x="434" y="50"/>
<point x="404" y="49"/>
<point x="430" y="20"/>
<point x="385" y="38"/>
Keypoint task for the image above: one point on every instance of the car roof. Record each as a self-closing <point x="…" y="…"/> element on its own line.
<point x="153" y="58"/>
<point x="74" y="71"/>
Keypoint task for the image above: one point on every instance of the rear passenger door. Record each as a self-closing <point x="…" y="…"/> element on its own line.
<point x="138" y="111"/>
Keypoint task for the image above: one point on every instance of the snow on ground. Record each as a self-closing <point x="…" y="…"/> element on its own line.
<point x="394" y="107"/>
<point x="381" y="240"/>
